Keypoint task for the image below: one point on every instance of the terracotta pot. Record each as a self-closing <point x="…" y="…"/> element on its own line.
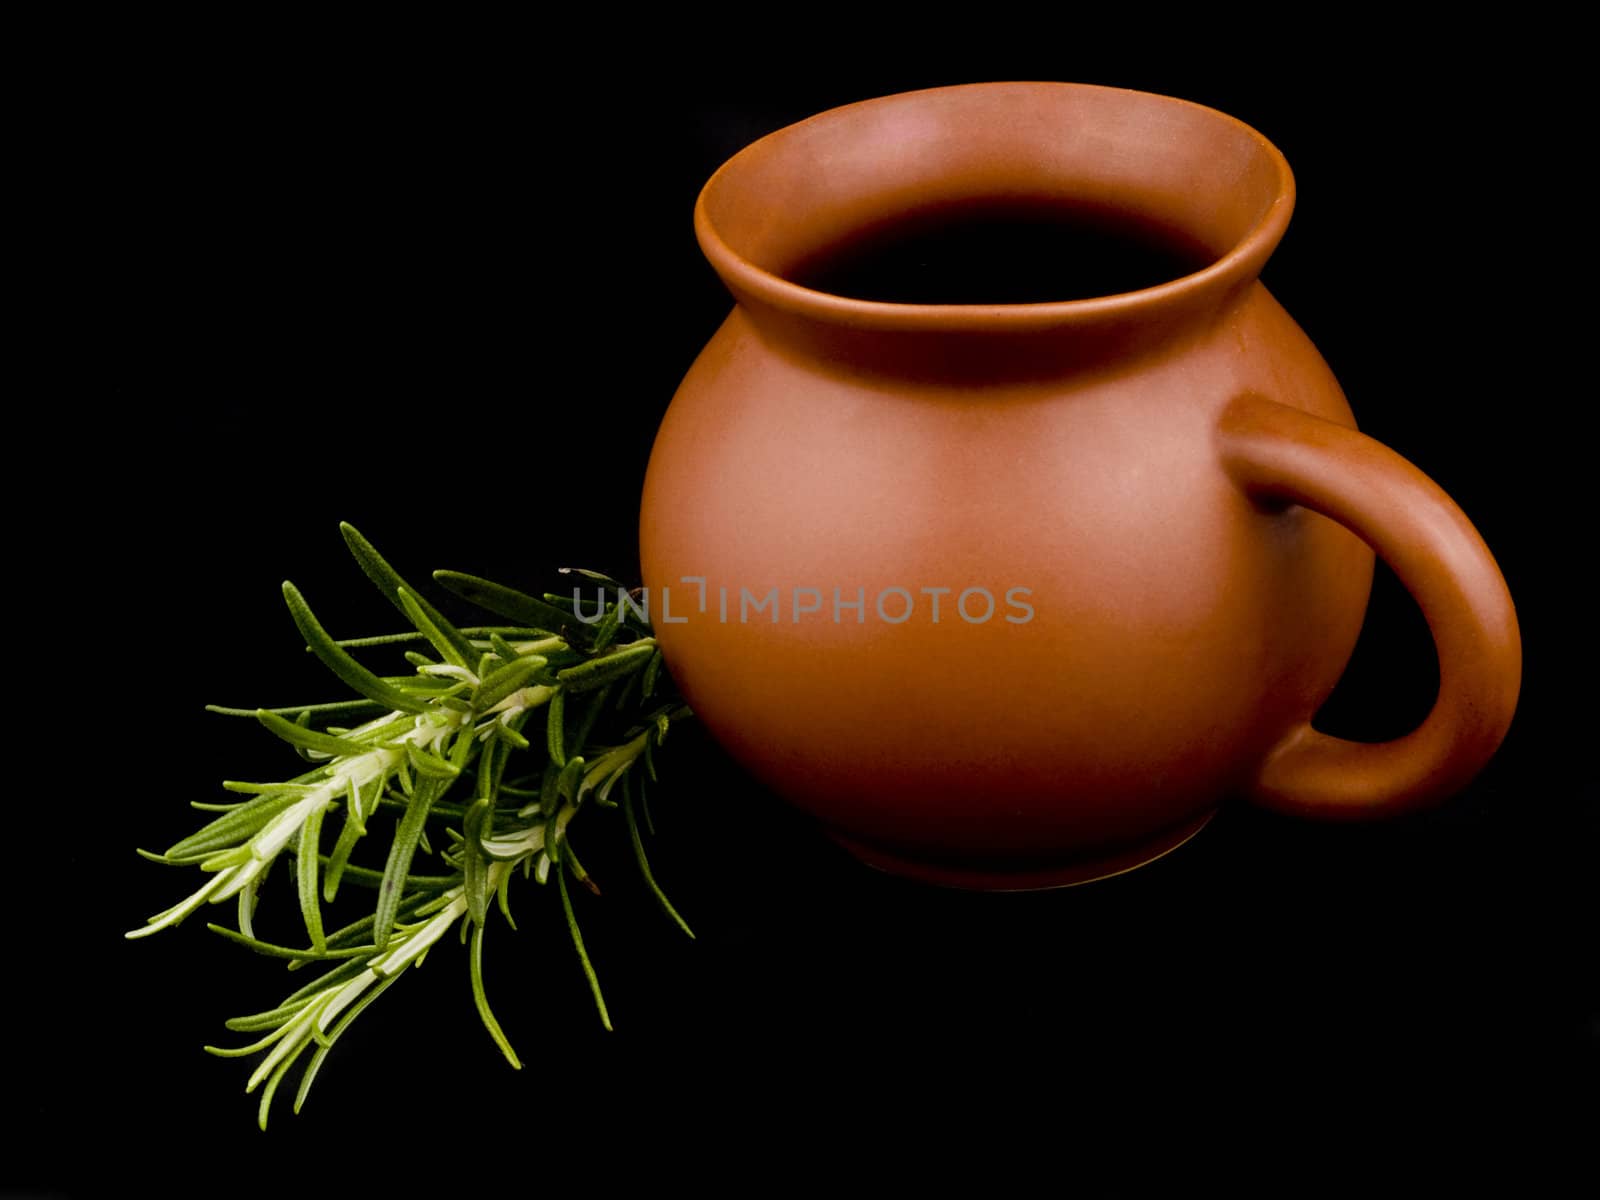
<point x="1160" y="492"/>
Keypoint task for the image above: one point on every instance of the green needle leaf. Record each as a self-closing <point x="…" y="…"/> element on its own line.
<point x="392" y="585"/>
<point x="570" y="857"/>
<point x="644" y="862"/>
<point x="272" y="1084"/>
<point x="367" y="877"/>
<point x="271" y="1019"/>
<point x="406" y="837"/>
<point x="605" y="632"/>
<point x="343" y="972"/>
<point x="461" y="753"/>
<point x="500" y="683"/>
<point x="354" y="828"/>
<point x="354" y="1011"/>
<point x="306" y="868"/>
<point x="437" y="638"/>
<point x="597" y="576"/>
<point x="570" y="781"/>
<point x="341" y="706"/>
<point x="504" y="898"/>
<point x="511" y="736"/>
<point x="339" y="661"/>
<point x="474" y="863"/>
<point x="268" y="789"/>
<point x="359" y="933"/>
<point x="272" y="950"/>
<point x="236" y="857"/>
<point x="644" y="805"/>
<point x="309" y="739"/>
<point x="577" y="944"/>
<point x="598" y="672"/>
<point x="247" y="906"/>
<point x="232" y="828"/>
<point x="280" y="1031"/>
<point x="491" y="763"/>
<point x="481" y="999"/>
<point x="555" y="727"/>
<point x="548" y="795"/>
<point x="430" y="766"/>
<point x="506" y="602"/>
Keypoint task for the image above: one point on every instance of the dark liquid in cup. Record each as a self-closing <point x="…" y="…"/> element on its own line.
<point x="1003" y="254"/>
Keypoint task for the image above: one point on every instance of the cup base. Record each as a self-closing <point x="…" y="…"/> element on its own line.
<point x="1083" y="870"/>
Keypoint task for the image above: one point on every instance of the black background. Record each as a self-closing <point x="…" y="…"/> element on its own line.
<point x="444" y="290"/>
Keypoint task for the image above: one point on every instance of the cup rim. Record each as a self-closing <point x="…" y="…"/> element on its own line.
<point x="1239" y="265"/>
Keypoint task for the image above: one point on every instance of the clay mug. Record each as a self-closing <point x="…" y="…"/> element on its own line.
<point x="1015" y="594"/>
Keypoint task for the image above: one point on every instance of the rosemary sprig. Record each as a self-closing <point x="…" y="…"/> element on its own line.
<point x="445" y="747"/>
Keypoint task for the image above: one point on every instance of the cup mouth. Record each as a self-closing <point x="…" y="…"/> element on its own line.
<point x="801" y="187"/>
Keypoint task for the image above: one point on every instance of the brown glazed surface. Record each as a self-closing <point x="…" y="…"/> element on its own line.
<point x="1173" y="473"/>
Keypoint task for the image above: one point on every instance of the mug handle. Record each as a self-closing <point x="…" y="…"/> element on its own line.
<point x="1276" y="453"/>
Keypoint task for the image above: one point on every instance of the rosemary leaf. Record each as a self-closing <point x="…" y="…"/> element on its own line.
<point x="512" y="737"/>
<point x="652" y="672"/>
<point x="577" y="944"/>
<point x="339" y="706"/>
<point x="247" y="907"/>
<point x="401" y="850"/>
<point x="506" y="602"/>
<point x="337" y="975"/>
<point x="281" y="1031"/>
<point x="475" y="864"/>
<point x="275" y="951"/>
<point x="354" y="1011"/>
<point x="555" y="727"/>
<point x="337" y="863"/>
<point x="430" y="766"/>
<point x="462" y="655"/>
<point x="307" y="862"/>
<point x="606" y="632"/>
<point x="598" y="577"/>
<point x="272" y="1085"/>
<point x="367" y="877"/>
<point x="392" y="585"/>
<point x="502" y="681"/>
<point x="339" y="661"/>
<point x="598" y="672"/>
<point x="481" y="999"/>
<point x="308" y="739"/>
<point x="271" y="1019"/>
<point x="234" y="827"/>
<point x="644" y="862"/>
<point x="570" y="779"/>
<point x="503" y="896"/>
